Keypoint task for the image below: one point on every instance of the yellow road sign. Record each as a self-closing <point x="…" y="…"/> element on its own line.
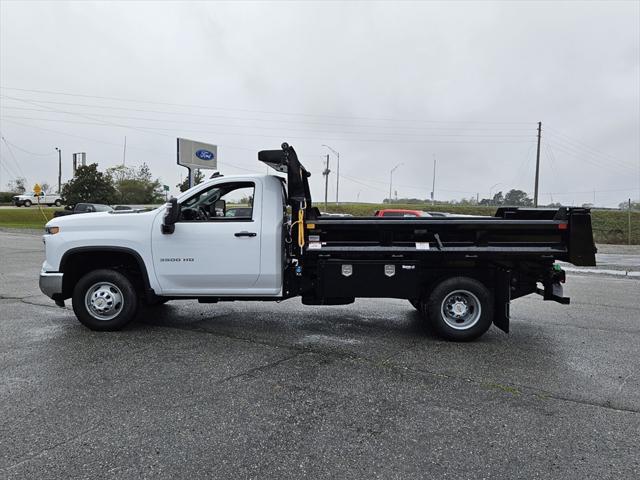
<point x="37" y="189"/>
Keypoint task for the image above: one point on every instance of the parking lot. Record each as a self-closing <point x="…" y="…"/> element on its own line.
<point x="267" y="390"/>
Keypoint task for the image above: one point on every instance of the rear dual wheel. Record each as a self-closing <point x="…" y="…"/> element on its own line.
<point x="458" y="309"/>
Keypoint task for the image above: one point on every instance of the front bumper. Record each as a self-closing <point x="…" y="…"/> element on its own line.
<point x="51" y="284"/>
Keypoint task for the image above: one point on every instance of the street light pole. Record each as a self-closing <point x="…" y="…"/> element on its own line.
<point x="59" y="170"/>
<point x="337" y="154"/>
<point x="326" y="182"/>
<point x="491" y="190"/>
<point x="391" y="180"/>
<point x="433" y="186"/>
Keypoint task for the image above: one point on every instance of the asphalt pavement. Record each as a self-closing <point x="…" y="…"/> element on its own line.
<point x="267" y="390"/>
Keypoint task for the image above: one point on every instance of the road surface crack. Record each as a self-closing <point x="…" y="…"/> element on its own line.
<point x="260" y="368"/>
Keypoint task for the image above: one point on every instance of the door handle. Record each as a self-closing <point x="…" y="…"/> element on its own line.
<point x="245" y="234"/>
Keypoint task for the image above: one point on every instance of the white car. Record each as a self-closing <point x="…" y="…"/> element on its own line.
<point x="28" y="199"/>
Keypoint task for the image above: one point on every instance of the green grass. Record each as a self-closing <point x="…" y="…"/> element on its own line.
<point x="31" y="217"/>
<point x="609" y="226"/>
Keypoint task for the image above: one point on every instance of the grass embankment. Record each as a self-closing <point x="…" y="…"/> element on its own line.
<point x="31" y="217"/>
<point x="609" y="226"/>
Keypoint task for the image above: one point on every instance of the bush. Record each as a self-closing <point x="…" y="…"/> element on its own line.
<point x="7" y="197"/>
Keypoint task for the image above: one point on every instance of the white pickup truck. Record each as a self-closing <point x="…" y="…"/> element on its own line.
<point x="28" y="199"/>
<point x="258" y="237"/>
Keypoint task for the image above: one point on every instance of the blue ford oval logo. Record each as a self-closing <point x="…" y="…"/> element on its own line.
<point x="204" y="155"/>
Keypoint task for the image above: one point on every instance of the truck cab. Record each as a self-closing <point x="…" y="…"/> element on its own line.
<point x="227" y="240"/>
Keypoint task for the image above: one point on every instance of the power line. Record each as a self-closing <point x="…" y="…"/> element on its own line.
<point x="586" y="153"/>
<point x="78" y="136"/>
<point x="13" y="157"/>
<point x="110" y="143"/>
<point x="29" y="152"/>
<point x="4" y="164"/>
<point x="588" y="160"/>
<point x="584" y="146"/>
<point x="271" y="120"/>
<point x="85" y="116"/>
<point x="49" y="92"/>
<point x="460" y="134"/>
<point x="279" y="136"/>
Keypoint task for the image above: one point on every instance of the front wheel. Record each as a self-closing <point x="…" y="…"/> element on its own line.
<point x="459" y="309"/>
<point x="27" y="203"/>
<point x="105" y="300"/>
<point x="57" y="203"/>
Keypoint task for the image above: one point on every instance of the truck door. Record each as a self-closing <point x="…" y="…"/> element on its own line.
<point x="215" y="248"/>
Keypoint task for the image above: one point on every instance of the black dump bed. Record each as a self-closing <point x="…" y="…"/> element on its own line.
<point x="515" y="234"/>
<point x="512" y="234"/>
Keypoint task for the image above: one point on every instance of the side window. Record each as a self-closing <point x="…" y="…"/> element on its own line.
<point x="239" y="203"/>
<point x="222" y="202"/>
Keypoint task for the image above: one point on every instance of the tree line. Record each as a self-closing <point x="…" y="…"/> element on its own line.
<point x="513" y="198"/>
<point x="116" y="185"/>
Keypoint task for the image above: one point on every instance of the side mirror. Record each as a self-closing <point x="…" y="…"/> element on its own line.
<point x="220" y="207"/>
<point x="171" y="217"/>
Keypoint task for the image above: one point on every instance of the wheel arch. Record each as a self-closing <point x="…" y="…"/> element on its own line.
<point x="78" y="261"/>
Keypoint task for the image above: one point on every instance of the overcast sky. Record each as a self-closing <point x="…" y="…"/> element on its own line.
<point x="382" y="83"/>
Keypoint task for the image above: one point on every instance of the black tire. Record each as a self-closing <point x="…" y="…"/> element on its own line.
<point x="459" y="309"/>
<point x="27" y="203"/>
<point x="57" y="203"/>
<point x="101" y="282"/>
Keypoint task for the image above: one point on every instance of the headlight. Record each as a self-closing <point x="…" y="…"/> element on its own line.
<point x="51" y="230"/>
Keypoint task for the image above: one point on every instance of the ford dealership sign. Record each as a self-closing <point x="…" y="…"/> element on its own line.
<point x="198" y="155"/>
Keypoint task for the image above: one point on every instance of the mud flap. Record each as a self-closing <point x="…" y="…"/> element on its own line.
<point x="502" y="300"/>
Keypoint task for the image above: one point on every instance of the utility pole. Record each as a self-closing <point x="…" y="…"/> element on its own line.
<point x="59" y="170"/>
<point x="629" y="221"/>
<point x="124" y="152"/>
<point x="433" y="186"/>
<point x="326" y="182"/>
<point x="391" y="180"/>
<point x="337" y="154"/>
<point x="535" y="193"/>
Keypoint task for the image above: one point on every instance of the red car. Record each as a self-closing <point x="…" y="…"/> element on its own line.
<point x="400" y="212"/>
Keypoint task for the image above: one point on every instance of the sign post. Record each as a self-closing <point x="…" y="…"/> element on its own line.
<point x="196" y="155"/>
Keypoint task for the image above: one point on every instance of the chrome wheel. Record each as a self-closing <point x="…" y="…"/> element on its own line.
<point x="104" y="301"/>
<point x="461" y="309"/>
